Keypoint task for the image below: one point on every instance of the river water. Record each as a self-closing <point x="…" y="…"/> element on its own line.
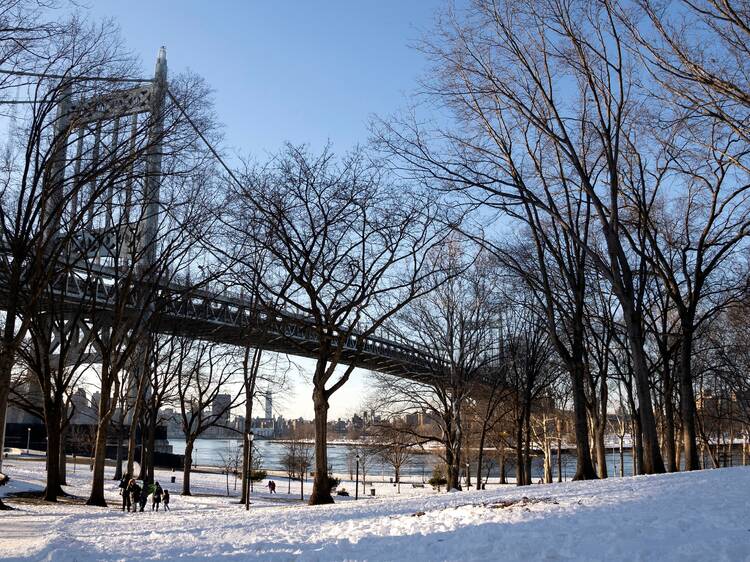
<point x="209" y="452"/>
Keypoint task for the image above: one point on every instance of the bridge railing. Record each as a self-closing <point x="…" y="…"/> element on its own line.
<point x="95" y="287"/>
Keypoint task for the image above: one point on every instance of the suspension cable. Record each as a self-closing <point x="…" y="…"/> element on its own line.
<point x="204" y="139"/>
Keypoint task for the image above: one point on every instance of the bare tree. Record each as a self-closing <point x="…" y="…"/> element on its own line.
<point x="168" y="356"/>
<point x="395" y="447"/>
<point x="297" y="459"/>
<point x="231" y="462"/>
<point x="455" y="326"/>
<point x="364" y="452"/>
<point x="44" y="64"/>
<point x="55" y="355"/>
<point x="347" y="252"/>
<point x="205" y="394"/>
<point x="531" y="370"/>
<point x="156" y="222"/>
<point x="526" y="139"/>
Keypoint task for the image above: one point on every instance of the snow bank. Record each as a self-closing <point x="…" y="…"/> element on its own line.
<point x="698" y="516"/>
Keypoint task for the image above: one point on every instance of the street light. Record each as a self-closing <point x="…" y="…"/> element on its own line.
<point x="249" y="439"/>
<point x="356" y="482"/>
<point x="28" y="439"/>
<point x="468" y="475"/>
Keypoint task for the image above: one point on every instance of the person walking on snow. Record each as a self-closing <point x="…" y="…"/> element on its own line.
<point x="124" y="492"/>
<point x="271" y="487"/>
<point x="156" y="497"/>
<point x="135" y="494"/>
<point x="166" y="500"/>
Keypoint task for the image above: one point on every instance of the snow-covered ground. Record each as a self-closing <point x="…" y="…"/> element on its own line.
<point x="699" y="516"/>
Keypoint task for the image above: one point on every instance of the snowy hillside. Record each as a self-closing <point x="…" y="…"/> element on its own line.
<point x="698" y="516"/>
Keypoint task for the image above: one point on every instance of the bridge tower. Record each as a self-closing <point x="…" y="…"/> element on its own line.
<point x="92" y="117"/>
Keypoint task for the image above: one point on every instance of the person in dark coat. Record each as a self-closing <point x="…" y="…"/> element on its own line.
<point x="156" y="497"/>
<point x="166" y="500"/>
<point x="124" y="492"/>
<point x="135" y="494"/>
<point x="144" y="496"/>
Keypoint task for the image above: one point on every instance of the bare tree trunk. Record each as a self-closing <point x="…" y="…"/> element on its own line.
<point x="502" y="467"/>
<point x="669" y="433"/>
<point x="63" y="459"/>
<point x="456" y="471"/>
<point x="119" y="454"/>
<point x="637" y="447"/>
<point x="109" y="381"/>
<point x="584" y="466"/>
<point x="480" y="455"/>
<point x="321" y="492"/>
<point x="52" y="421"/>
<point x="7" y="356"/>
<point x="453" y="466"/>
<point x="601" y="451"/>
<point x="547" y="461"/>
<point x="100" y="449"/>
<point x="144" y="454"/>
<point x="132" y="445"/>
<point x="188" y="465"/>
<point x="250" y="372"/>
<point x="136" y="415"/>
<point x="246" y="469"/>
<point x="558" y="426"/>
<point x="687" y="402"/>
<point x="151" y="447"/>
<point x="653" y="463"/>
<point x="527" y="445"/>
<point x="520" y="464"/>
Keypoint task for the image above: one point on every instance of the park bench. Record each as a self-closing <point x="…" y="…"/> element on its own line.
<point x="417" y="485"/>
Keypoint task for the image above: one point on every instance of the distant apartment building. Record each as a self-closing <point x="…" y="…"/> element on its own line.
<point x="32" y="397"/>
<point x="84" y="410"/>
<point x="220" y="408"/>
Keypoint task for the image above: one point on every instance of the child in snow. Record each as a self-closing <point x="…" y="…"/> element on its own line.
<point x="156" y="497"/>
<point x="166" y="500"/>
<point x="135" y="493"/>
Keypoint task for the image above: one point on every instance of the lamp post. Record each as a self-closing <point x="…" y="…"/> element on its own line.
<point x="195" y="458"/>
<point x="356" y="482"/>
<point x="28" y="439"/>
<point x="468" y="475"/>
<point x="249" y="437"/>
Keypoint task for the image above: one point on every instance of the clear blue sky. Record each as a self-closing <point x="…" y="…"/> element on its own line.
<point x="286" y="70"/>
<point x="305" y="72"/>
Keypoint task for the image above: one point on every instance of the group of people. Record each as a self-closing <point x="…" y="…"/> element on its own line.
<point x="134" y="497"/>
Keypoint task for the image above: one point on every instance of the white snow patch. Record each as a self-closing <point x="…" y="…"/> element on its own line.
<point x="698" y="516"/>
